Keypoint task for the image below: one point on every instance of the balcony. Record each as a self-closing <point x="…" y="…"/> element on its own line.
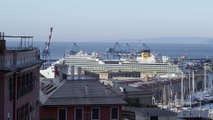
<point x="18" y="57"/>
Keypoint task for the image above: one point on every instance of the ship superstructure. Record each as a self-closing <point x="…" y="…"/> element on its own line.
<point x="143" y="61"/>
<point x="144" y="64"/>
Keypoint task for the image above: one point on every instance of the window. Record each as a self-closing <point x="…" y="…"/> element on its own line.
<point x="28" y="83"/>
<point x="114" y="113"/>
<point x="17" y="62"/>
<point x="23" y="85"/>
<point x="31" y="79"/>
<point x="11" y="62"/>
<point x="11" y="89"/>
<point x="18" y="87"/>
<point x="153" y="117"/>
<point x="78" y="114"/>
<point x="95" y="113"/>
<point x="62" y="114"/>
<point x="33" y="82"/>
<point x="23" y="112"/>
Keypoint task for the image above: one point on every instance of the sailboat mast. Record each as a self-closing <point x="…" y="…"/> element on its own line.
<point x="205" y="77"/>
<point x="193" y="82"/>
<point x="182" y="97"/>
<point x="189" y="82"/>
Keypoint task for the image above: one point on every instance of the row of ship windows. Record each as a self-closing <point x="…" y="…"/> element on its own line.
<point x="115" y="68"/>
<point x="89" y="63"/>
<point x="94" y="65"/>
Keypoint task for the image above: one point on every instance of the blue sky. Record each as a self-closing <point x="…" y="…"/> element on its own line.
<point x="101" y="20"/>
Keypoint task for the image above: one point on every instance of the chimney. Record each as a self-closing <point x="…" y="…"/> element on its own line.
<point x="106" y="91"/>
<point x="65" y="71"/>
<point x="42" y="86"/>
<point x="79" y="72"/>
<point x="123" y="90"/>
<point x="60" y="73"/>
<point x="72" y="72"/>
<point x="87" y="89"/>
<point x="56" y="71"/>
<point x="2" y="43"/>
<point x="51" y="82"/>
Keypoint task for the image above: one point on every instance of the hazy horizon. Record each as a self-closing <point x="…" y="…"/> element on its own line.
<point x="163" y="40"/>
<point x="103" y="21"/>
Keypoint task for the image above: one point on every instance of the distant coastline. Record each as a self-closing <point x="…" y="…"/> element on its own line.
<point x="153" y="40"/>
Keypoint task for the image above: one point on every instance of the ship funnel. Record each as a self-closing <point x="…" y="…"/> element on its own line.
<point x="145" y="54"/>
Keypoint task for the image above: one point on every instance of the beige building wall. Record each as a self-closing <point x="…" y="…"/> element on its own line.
<point x="103" y="76"/>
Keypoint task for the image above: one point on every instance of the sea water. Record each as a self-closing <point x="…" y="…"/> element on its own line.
<point x="57" y="49"/>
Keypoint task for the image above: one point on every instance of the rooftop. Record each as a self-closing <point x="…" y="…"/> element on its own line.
<point x="22" y="56"/>
<point x="83" y="92"/>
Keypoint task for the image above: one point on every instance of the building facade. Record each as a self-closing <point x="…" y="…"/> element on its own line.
<point x="81" y="112"/>
<point x="19" y="80"/>
<point x="79" y="100"/>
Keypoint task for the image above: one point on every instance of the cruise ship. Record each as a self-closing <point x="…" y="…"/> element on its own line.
<point x="145" y="62"/>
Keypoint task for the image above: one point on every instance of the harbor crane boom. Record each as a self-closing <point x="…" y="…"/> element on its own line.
<point x="46" y="50"/>
<point x="49" y="40"/>
<point x="146" y="47"/>
<point x="127" y="48"/>
<point x="74" y="49"/>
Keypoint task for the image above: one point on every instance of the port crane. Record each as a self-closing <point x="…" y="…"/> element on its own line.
<point x="74" y="49"/>
<point x="128" y="49"/>
<point x="145" y="48"/>
<point x="120" y="52"/>
<point x="117" y="48"/>
<point x="46" y="50"/>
